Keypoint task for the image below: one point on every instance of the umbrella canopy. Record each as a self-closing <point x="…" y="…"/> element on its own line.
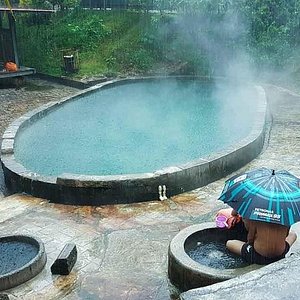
<point x="264" y="195"/>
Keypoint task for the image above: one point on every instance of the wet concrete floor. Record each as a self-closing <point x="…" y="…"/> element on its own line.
<point x="122" y="249"/>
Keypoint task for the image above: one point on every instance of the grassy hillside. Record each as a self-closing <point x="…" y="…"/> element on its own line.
<point x="109" y="42"/>
<point x="202" y="42"/>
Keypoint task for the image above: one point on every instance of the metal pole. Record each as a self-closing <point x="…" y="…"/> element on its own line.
<point x="12" y="27"/>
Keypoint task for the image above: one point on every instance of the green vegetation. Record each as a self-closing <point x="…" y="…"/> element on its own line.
<point x="108" y="42"/>
<point x="202" y="37"/>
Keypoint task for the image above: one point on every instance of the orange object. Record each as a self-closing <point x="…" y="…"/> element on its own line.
<point x="231" y="217"/>
<point x="10" y="66"/>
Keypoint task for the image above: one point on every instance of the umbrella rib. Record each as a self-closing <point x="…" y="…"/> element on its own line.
<point x="291" y="217"/>
<point x="284" y="186"/>
<point x="257" y="187"/>
<point x="246" y="207"/>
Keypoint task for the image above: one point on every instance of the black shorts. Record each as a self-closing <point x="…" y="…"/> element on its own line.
<point x="249" y="254"/>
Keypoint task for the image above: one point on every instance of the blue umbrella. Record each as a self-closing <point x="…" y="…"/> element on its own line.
<point x="264" y="195"/>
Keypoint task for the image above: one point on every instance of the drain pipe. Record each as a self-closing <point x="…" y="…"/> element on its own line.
<point x="162" y="190"/>
<point x="160" y="196"/>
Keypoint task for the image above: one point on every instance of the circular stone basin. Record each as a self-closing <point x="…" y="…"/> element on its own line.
<point x="21" y="258"/>
<point x="197" y="257"/>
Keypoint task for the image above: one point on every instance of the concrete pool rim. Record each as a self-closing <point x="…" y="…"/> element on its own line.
<point x="185" y="273"/>
<point x="128" y="188"/>
<point x="28" y="270"/>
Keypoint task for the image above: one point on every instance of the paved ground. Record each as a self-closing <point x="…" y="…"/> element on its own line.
<point x="123" y="248"/>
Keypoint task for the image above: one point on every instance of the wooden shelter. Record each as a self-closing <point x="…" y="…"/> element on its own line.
<point x="8" y="41"/>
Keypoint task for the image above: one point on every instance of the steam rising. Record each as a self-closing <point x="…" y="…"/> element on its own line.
<point x="145" y="127"/>
<point x="136" y="128"/>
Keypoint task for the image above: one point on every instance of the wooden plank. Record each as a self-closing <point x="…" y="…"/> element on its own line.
<point x="23" y="71"/>
<point x="26" y="10"/>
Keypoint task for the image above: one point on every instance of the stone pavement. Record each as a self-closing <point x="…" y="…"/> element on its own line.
<point x="278" y="281"/>
<point x="122" y="249"/>
<point x="15" y="102"/>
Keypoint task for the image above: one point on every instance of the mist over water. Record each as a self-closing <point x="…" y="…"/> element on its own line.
<point x="137" y="128"/>
<point x="215" y="255"/>
<point x="144" y="127"/>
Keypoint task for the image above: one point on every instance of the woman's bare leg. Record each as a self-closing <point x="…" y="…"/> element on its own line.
<point x="291" y="238"/>
<point x="235" y="246"/>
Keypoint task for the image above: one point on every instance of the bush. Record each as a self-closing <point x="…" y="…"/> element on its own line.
<point x="203" y="35"/>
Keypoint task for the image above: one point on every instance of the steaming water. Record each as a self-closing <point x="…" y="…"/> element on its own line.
<point x="14" y="255"/>
<point x="215" y="255"/>
<point x="136" y="128"/>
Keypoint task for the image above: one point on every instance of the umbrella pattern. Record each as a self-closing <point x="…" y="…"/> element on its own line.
<point x="264" y="195"/>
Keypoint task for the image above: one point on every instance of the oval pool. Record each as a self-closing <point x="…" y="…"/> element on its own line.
<point x="139" y="127"/>
<point x="136" y="128"/>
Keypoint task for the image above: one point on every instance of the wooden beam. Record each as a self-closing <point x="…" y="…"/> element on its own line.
<point x="27" y="10"/>
<point x="23" y="71"/>
<point x="1" y="38"/>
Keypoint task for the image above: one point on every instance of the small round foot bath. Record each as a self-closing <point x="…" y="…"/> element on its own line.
<point x="21" y="258"/>
<point x="198" y="257"/>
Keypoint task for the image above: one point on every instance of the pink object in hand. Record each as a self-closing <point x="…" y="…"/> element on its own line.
<point x="221" y="221"/>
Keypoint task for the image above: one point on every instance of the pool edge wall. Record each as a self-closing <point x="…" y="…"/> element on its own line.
<point x="130" y="188"/>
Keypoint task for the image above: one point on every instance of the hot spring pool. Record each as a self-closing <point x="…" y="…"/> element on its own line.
<point x="215" y="255"/>
<point x="197" y="256"/>
<point x="140" y="127"/>
<point x="22" y="257"/>
<point x="136" y="128"/>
